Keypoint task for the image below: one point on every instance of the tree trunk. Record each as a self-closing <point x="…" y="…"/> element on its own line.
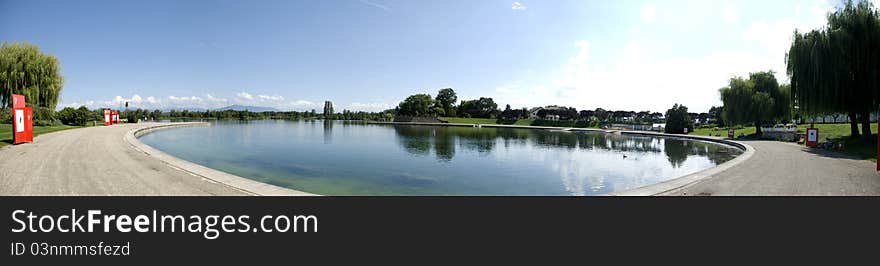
<point x="866" y="125"/>
<point x="758" y="129"/>
<point x="853" y="125"/>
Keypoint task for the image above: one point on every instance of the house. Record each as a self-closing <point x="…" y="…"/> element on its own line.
<point x="533" y="113"/>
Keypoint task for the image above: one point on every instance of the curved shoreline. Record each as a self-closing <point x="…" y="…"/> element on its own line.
<point x="647" y="190"/>
<point x="239" y="183"/>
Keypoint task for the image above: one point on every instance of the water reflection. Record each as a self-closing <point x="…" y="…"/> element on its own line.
<point x="421" y="140"/>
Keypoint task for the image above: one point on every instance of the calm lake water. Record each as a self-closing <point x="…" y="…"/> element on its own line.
<point x="353" y="158"/>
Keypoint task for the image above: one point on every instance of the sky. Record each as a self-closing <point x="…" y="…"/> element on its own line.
<point x="370" y="54"/>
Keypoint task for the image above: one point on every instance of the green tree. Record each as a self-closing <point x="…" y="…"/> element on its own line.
<point x="480" y="108"/>
<point x="756" y="100"/>
<point x="677" y="120"/>
<point x="416" y="105"/>
<point x="27" y="71"/>
<point x="835" y="69"/>
<point x="446" y="99"/>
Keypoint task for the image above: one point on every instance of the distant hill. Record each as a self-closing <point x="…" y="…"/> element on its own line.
<point x="191" y="109"/>
<point x="257" y="109"/>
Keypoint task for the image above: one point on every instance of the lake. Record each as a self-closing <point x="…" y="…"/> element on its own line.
<point x="355" y="158"/>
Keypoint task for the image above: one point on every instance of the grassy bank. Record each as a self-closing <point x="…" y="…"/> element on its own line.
<point x="836" y="132"/>
<point x="6" y="132"/>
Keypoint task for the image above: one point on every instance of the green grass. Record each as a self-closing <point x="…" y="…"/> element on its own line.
<point x="6" y="132"/>
<point x="836" y="132"/>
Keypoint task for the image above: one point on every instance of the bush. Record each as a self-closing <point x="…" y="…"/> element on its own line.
<point x="75" y="117"/>
<point x="5" y="116"/>
<point x="43" y="116"/>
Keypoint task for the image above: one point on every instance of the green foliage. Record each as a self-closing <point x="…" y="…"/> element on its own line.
<point x="74" y="117"/>
<point x="5" y="116"/>
<point x="417" y="105"/>
<point x="677" y="120"/>
<point x="480" y="108"/>
<point x="756" y="100"/>
<point x="835" y="69"/>
<point x="27" y="71"/>
<point x="445" y="100"/>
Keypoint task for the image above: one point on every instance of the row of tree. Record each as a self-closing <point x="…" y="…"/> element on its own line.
<point x="423" y="105"/>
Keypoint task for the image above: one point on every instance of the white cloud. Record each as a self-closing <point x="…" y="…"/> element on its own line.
<point x="276" y="98"/>
<point x="244" y="95"/>
<point x="369" y="107"/>
<point x="376" y="5"/>
<point x="640" y="78"/>
<point x="648" y="14"/>
<point x="634" y="82"/>
<point x="518" y="6"/>
<point x="729" y="12"/>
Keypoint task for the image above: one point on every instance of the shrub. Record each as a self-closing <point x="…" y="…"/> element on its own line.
<point x="5" y="116"/>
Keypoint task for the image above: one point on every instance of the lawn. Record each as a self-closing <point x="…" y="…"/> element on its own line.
<point x="6" y="132"/>
<point x="835" y="132"/>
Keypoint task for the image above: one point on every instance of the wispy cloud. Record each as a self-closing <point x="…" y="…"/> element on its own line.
<point x="376" y="5"/>
<point x="518" y="6"/>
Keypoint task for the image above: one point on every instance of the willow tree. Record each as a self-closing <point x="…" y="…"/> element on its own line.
<point x="756" y="100"/>
<point x="835" y="69"/>
<point x="27" y="71"/>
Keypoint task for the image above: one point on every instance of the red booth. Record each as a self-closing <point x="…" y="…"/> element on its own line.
<point x="115" y="115"/>
<point x="22" y="121"/>
<point x="107" y="117"/>
<point x="812" y="137"/>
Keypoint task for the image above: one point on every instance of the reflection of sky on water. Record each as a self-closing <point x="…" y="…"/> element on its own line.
<point x="350" y="158"/>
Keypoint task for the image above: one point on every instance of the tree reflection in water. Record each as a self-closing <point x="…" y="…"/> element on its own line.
<point x="444" y="141"/>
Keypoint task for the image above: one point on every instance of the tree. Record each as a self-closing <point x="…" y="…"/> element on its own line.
<point x="415" y="105"/>
<point x="446" y="99"/>
<point x="677" y="119"/>
<point x="756" y="100"/>
<point x="328" y="109"/>
<point x="480" y="108"/>
<point x="27" y="71"/>
<point x="715" y="112"/>
<point x="834" y="69"/>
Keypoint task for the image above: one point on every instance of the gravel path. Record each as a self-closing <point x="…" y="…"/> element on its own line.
<point x="95" y="161"/>
<point x="782" y="169"/>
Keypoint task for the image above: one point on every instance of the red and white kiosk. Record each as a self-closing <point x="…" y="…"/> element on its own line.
<point x="107" y="118"/>
<point x="22" y="121"/>
<point x="115" y="115"/>
<point x="812" y="137"/>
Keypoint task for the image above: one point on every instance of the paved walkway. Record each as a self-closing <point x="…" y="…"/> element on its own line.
<point x="782" y="169"/>
<point x="95" y="161"/>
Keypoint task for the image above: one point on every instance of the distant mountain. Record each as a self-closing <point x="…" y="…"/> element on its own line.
<point x="257" y="109"/>
<point x="191" y="109"/>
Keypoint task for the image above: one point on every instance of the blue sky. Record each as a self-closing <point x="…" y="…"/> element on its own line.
<point x="368" y="55"/>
